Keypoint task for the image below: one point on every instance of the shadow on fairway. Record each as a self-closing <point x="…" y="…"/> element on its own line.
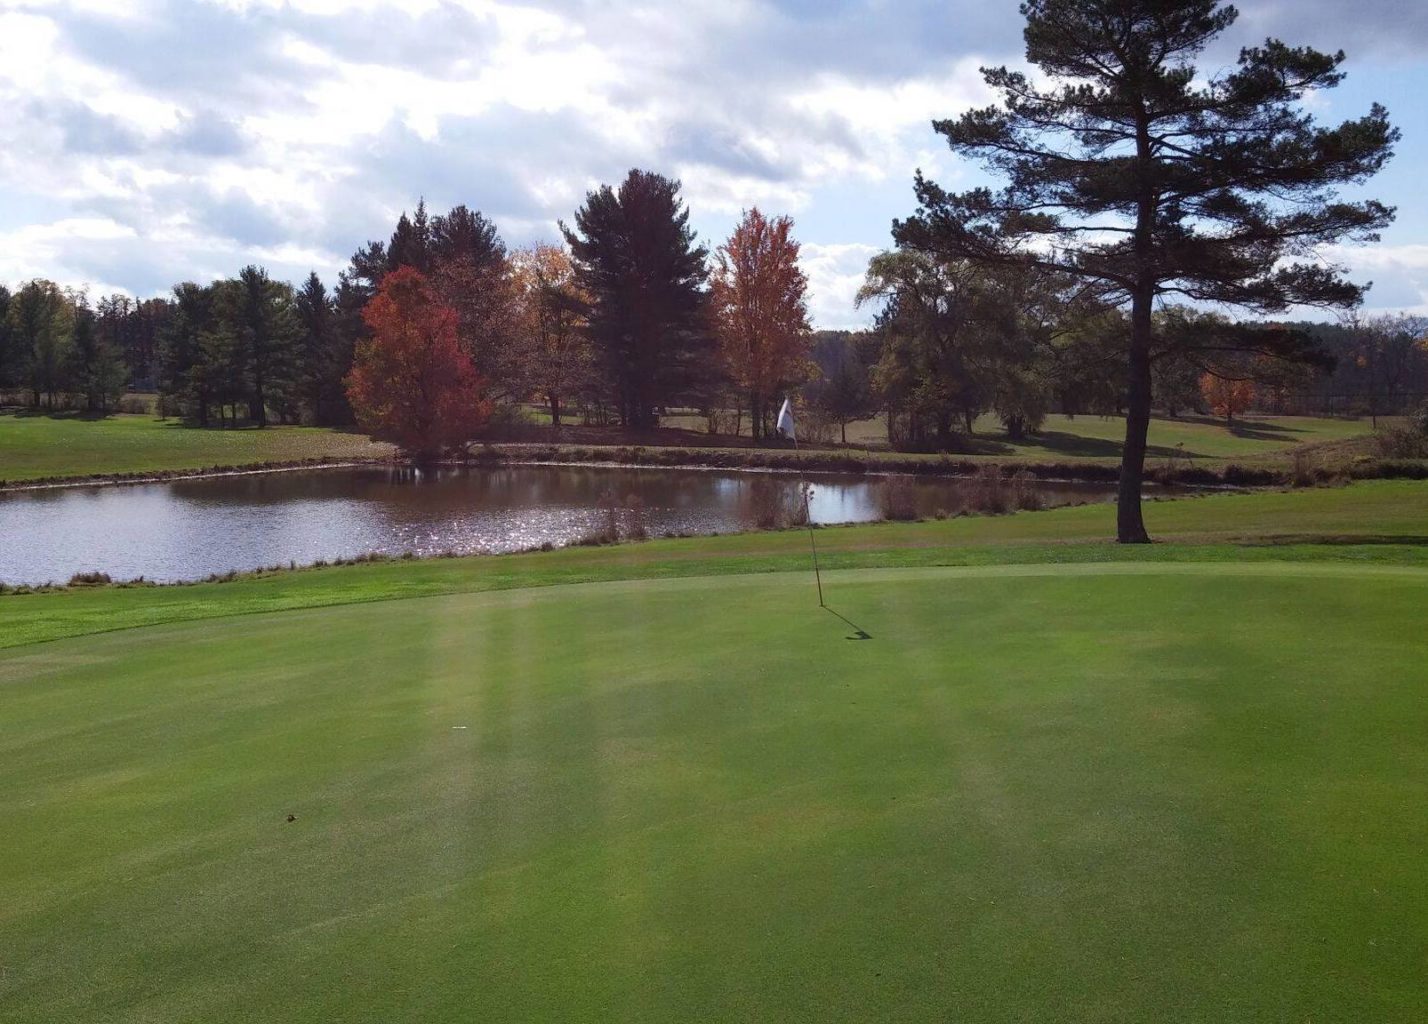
<point x="859" y="633"/>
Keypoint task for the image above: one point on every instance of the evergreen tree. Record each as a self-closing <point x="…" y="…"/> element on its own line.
<point x="268" y="336"/>
<point x="1145" y="179"/>
<point x="411" y="242"/>
<point x="186" y="376"/>
<point x="325" y="360"/>
<point x="843" y="390"/>
<point x="96" y="370"/>
<point x="637" y="258"/>
<point x="472" y="273"/>
<point x="465" y="234"/>
<point x="8" y="357"/>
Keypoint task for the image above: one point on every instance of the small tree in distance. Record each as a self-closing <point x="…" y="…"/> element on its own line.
<point x="411" y="382"/>
<point x="1226" y="396"/>
<point x="760" y="313"/>
<point x="551" y="346"/>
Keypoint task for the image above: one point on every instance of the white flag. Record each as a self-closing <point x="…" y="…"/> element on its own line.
<point x="785" y="420"/>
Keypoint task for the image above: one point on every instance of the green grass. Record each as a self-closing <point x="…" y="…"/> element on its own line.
<point x="1197" y="437"/>
<point x="1100" y="437"/>
<point x="1371" y="521"/>
<point x="1099" y="792"/>
<point x="34" y="447"/>
<point x="1064" y="780"/>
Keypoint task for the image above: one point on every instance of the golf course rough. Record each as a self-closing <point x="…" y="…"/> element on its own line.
<point x="1090" y="792"/>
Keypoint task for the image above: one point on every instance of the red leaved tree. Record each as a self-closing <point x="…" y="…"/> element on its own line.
<point x="760" y="314"/>
<point x="411" y="382"/>
<point x="1226" y="396"/>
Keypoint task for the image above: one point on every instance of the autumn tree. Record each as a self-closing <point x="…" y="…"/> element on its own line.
<point x="411" y="382"/>
<point x="552" y="348"/>
<point x="637" y="258"/>
<point x="1227" y="397"/>
<point x="465" y="261"/>
<point x="472" y="272"/>
<point x="757" y="297"/>
<point x="1132" y="171"/>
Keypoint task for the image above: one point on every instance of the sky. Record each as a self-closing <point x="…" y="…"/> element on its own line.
<point x="145" y="142"/>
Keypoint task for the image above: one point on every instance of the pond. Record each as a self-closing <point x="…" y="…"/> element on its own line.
<point x="189" y="529"/>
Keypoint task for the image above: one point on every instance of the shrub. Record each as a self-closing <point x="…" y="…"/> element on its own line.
<point x="90" y="579"/>
<point x="773" y="506"/>
<point x="987" y="491"/>
<point x="1418" y="420"/>
<point x="1409" y="441"/>
<point x="899" y="499"/>
<point x="1024" y="492"/>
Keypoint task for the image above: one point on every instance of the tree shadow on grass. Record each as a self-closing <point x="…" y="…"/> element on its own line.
<point x="1062" y="442"/>
<point x="1411" y="540"/>
<point x="26" y="413"/>
<point x="1249" y="430"/>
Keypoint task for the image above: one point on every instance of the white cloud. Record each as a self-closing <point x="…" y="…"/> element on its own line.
<point x="835" y="273"/>
<point x="215" y="132"/>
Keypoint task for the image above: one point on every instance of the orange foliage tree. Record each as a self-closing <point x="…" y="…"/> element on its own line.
<point x="411" y="381"/>
<point x="1226" y="397"/>
<point x="760" y="313"/>
<point x="554" y="351"/>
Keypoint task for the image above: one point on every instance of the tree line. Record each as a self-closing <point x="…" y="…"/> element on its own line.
<point x="629" y="316"/>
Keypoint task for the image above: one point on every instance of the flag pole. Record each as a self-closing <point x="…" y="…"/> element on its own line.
<point x="807" y="511"/>
<point x="812" y="544"/>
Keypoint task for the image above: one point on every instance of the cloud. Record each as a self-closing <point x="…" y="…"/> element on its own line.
<point x="1365" y="29"/>
<point x="1399" y="274"/>
<point x="835" y="273"/>
<point x="211" y="133"/>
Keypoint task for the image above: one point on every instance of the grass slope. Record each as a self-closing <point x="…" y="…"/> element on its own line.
<point x="1100" y="437"/>
<point x="1065" y="792"/>
<point x="1373" y="521"/>
<point x="34" y="447"/>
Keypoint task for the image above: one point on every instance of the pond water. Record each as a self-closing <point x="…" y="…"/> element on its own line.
<point x="189" y="529"/>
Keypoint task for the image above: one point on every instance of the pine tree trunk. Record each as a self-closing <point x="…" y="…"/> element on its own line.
<point x="1130" y="523"/>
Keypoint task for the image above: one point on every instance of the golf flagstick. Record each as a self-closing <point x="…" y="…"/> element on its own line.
<point x="785" y="426"/>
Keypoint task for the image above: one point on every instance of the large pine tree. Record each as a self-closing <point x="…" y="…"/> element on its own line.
<point x="638" y="260"/>
<point x="268" y="337"/>
<point x="1138" y="175"/>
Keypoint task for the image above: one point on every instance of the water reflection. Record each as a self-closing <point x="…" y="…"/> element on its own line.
<point x="188" y="529"/>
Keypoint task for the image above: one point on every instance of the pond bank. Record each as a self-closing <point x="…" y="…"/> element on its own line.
<point x="789" y="460"/>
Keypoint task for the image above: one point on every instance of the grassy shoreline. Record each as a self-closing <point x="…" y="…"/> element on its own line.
<point x="64" y="450"/>
<point x="1375" y="522"/>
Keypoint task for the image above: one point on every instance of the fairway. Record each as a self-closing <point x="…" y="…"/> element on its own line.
<point x="1086" y="792"/>
<point x="34" y="446"/>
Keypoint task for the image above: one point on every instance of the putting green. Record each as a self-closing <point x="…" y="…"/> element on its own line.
<point x="1091" y="792"/>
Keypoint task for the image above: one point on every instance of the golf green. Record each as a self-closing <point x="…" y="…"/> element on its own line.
<point x="1086" y="792"/>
